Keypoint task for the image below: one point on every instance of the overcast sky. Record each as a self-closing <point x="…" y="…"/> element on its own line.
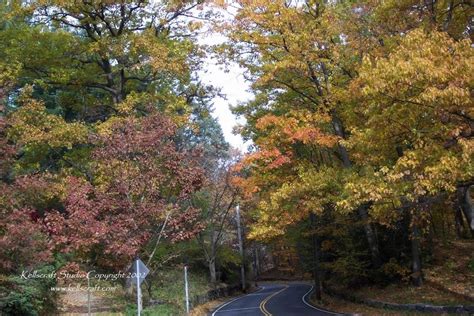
<point x="233" y="86"/>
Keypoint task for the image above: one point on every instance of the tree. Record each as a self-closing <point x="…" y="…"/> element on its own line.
<point x="90" y="62"/>
<point x="141" y="189"/>
<point x="24" y="247"/>
<point x="293" y="62"/>
<point x="309" y="66"/>
<point x="216" y="201"/>
<point x="105" y="50"/>
<point x="422" y="89"/>
<point x="90" y="67"/>
<point x="103" y="108"/>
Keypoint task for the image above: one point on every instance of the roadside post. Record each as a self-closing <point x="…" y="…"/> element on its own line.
<point x="139" y="290"/>
<point x="88" y="295"/>
<point x="186" y="288"/>
<point x="139" y="271"/>
<point x="241" y="246"/>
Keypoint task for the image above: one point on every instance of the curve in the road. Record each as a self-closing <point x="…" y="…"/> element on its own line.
<point x="273" y="300"/>
<point x="262" y="304"/>
<point x="319" y="309"/>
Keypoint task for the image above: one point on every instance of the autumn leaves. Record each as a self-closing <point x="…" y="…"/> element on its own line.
<point x="363" y="105"/>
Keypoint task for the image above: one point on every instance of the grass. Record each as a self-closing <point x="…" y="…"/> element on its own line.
<point x="170" y="287"/>
<point x="406" y="294"/>
<point x="453" y="267"/>
<point x="342" y="306"/>
<point x="158" y="310"/>
<point x="161" y="310"/>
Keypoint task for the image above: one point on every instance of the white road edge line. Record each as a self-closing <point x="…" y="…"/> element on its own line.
<point x="231" y="301"/>
<point x="310" y="305"/>
<point x="238" y="309"/>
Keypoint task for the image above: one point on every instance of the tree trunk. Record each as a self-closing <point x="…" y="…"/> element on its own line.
<point x="339" y="131"/>
<point x="212" y="257"/>
<point x="255" y="265"/>
<point x="212" y="270"/>
<point x="128" y="285"/>
<point x="449" y="16"/>
<point x="316" y="263"/>
<point x="466" y="205"/>
<point x="459" y="223"/>
<point x="128" y="288"/>
<point x="257" y="262"/>
<point x="362" y="210"/>
<point x="370" y="235"/>
<point x="417" y="277"/>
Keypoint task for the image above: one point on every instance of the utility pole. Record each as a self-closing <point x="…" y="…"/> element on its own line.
<point x="241" y="246"/>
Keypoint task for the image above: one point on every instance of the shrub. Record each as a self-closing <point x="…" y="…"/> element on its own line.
<point x="28" y="297"/>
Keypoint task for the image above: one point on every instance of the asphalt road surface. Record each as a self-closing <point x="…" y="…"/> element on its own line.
<point x="274" y="299"/>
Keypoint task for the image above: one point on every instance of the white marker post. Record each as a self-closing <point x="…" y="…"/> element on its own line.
<point x="140" y="270"/>
<point x="88" y="295"/>
<point x="186" y="289"/>
<point x="139" y="290"/>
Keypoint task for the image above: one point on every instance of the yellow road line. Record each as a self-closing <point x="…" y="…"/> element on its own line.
<point x="262" y="304"/>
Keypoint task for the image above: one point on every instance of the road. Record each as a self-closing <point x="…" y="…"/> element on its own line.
<point x="273" y="299"/>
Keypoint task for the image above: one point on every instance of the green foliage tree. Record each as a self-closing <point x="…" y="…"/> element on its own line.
<point x="74" y="75"/>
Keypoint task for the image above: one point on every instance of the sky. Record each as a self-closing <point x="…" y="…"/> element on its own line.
<point x="232" y="84"/>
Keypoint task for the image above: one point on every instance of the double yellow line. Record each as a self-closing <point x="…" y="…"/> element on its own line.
<point x="262" y="304"/>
